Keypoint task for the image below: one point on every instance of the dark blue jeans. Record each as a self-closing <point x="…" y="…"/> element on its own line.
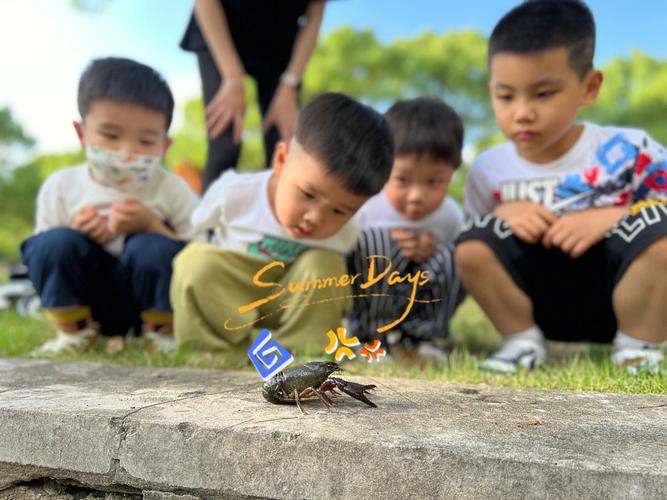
<point x="69" y="269"/>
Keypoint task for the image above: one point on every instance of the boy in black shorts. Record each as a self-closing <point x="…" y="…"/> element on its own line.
<point x="567" y="235"/>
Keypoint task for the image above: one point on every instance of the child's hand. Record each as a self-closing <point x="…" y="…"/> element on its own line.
<point x="407" y="239"/>
<point x="426" y="247"/>
<point x="89" y="222"/>
<point x="575" y="232"/>
<point x="529" y="221"/>
<point x="129" y="216"/>
<point x="416" y="246"/>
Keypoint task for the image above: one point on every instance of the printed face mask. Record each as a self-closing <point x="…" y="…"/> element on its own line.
<point x="119" y="170"/>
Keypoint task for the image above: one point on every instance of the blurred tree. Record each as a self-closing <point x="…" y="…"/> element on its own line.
<point x="633" y="95"/>
<point x="18" y="193"/>
<point x="10" y="131"/>
<point x="11" y="136"/>
<point x="451" y="66"/>
<point x="90" y="6"/>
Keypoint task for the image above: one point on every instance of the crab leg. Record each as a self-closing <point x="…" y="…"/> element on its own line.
<point x="325" y="400"/>
<point x="298" y="401"/>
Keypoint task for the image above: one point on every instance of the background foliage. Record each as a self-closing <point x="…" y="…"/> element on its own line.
<point x="451" y="65"/>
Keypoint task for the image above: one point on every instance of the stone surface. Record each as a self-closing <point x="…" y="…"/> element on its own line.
<point x="210" y="434"/>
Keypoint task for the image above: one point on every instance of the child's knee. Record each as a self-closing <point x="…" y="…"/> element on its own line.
<point x="151" y="249"/>
<point x="57" y="245"/>
<point x="316" y="259"/>
<point x="192" y="266"/>
<point x="472" y="256"/>
<point x="655" y="255"/>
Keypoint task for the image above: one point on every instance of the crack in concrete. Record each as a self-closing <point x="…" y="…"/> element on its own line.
<point x="114" y="467"/>
<point x="276" y="419"/>
<point x="195" y="395"/>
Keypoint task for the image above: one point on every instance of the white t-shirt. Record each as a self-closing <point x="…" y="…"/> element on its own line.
<point x="66" y="191"/>
<point x="607" y="166"/>
<point x="237" y="207"/>
<point x="444" y="223"/>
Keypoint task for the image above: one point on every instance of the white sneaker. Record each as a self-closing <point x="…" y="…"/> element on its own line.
<point x="159" y="342"/>
<point x="516" y="354"/>
<point x="645" y="359"/>
<point x="81" y="341"/>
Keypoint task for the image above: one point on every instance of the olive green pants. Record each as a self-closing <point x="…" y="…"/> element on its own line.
<point x="221" y="299"/>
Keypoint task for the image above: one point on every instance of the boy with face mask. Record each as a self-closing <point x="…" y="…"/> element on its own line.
<point x="107" y="231"/>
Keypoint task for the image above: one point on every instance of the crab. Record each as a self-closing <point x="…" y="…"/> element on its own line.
<point x="312" y="379"/>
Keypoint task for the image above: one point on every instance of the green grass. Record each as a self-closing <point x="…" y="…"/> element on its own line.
<point x="571" y="367"/>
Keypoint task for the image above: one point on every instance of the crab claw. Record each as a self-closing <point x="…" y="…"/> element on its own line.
<point x="357" y="391"/>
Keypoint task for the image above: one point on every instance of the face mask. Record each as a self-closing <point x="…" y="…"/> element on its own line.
<point x="119" y="170"/>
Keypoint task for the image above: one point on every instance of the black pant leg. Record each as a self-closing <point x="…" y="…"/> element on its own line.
<point x="222" y="152"/>
<point x="267" y="84"/>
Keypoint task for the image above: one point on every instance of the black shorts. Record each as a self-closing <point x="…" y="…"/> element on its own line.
<point x="572" y="298"/>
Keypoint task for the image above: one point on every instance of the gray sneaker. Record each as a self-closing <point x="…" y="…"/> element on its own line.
<point x="515" y="354"/>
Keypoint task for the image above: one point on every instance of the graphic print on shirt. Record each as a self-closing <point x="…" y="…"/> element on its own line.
<point x="621" y="166"/>
<point x="273" y="248"/>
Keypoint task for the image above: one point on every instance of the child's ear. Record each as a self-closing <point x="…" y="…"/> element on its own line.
<point x="280" y="157"/>
<point x="167" y="144"/>
<point x="592" y="86"/>
<point x="78" y="126"/>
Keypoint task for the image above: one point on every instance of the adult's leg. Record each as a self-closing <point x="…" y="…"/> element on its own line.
<point x="222" y="153"/>
<point x="267" y="84"/>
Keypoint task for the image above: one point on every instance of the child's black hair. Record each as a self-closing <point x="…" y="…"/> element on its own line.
<point x="123" y="79"/>
<point x="352" y="140"/>
<point x="426" y="126"/>
<point x="537" y="25"/>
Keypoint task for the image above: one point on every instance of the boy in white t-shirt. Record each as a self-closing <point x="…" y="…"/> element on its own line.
<point x="414" y="223"/>
<point x="276" y="258"/>
<point x="107" y="230"/>
<point x="567" y="235"/>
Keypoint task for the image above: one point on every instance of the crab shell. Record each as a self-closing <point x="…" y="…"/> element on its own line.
<point x="278" y="388"/>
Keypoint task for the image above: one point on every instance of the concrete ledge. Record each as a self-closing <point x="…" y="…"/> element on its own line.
<point x="210" y="434"/>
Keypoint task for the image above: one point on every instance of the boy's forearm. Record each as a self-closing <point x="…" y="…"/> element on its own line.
<point x="611" y="215"/>
<point x="306" y="40"/>
<point x="213" y="23"/>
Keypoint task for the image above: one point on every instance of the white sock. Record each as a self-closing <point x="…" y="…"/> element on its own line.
<point x="625" y="341"/>
<point x="532" y="334"/>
